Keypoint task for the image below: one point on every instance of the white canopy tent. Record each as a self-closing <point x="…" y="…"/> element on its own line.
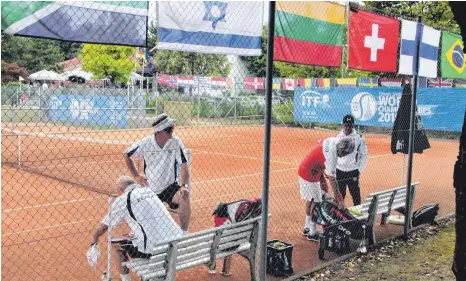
<point x="46" y="75"/>
<point x="77" y="73"/>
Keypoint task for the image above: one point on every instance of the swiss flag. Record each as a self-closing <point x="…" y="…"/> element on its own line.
<point x="373" y="41"/>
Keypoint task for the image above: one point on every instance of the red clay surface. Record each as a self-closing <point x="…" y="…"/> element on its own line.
<point x="47" y="224"/>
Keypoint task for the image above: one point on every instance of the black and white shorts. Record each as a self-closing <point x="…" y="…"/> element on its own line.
<point x="131" y="251"/>
<point x="168" y="193"/>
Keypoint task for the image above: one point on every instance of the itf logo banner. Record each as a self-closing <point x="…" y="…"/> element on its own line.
<point x="92" y="110"/>
<point x="378" y="106"/>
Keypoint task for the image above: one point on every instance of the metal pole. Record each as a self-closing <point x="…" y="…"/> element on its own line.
<point x="407" y="224"/>
<point x="403" y="168"/>
<point x="109" y="238"/>
<point x="19" y="149"/>
<point x="267" y="132"/>
<point x="236" y="97"/>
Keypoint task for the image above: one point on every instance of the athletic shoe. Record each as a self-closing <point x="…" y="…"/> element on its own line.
<point x="314" y="238"/>
<point x="305" y="232"/>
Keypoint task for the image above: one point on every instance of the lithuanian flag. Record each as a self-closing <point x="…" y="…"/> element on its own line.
<point x="309" y="32"/>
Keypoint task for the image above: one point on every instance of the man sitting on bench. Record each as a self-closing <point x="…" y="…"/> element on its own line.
<point x="147" y="217"/>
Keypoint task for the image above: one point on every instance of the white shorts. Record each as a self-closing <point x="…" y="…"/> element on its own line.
<point x="310" y="190"/>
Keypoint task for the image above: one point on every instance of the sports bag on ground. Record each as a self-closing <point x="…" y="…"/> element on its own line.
<point x="425" y="214"/>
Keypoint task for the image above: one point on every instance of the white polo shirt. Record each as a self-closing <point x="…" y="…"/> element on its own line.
<point x="161" y="165"/>
<point x="146" y="216"/>
<point x="356" y="160"/>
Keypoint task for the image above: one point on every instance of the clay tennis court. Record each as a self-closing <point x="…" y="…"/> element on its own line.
<point x="52" y="204"/>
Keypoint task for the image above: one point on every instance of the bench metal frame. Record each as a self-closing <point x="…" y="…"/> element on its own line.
<point x="200" y="248"/>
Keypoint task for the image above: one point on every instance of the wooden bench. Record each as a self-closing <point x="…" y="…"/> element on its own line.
<point x="200" y="248"/>
<point x="382" y="203"/>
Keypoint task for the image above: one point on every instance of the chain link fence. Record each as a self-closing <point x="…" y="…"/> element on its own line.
<point x="88" y="114"/>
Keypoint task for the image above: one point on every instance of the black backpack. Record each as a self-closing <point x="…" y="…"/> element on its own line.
<point x="425" y="214"/>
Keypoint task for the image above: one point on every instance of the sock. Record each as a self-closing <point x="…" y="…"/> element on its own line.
<point x="307" y="222"/>
<point x="125" y="277"/>
<point x="312" y="228"/>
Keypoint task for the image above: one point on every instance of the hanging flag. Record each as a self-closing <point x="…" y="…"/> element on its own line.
<point x="373" y="41"/>
<point x="305" y="82"/>
<point x="391" y="82"/>
<point x="113" y="22"/>
<point x="453" y="59"/>
<point x="411" y="33"/>
<point x="218" y="82"/>
<point x="325" y="82"/>
<point x="460" y="83"/>
<point x="215" y="27"/>
<point x="440" y="83"/>
<point x="346" y="82"/>
<point x="309" y="32"/>
<point x="185" y="81"/>
<point x="289" y="84"/>
<point x="276" y="83"/>
<point x="253" y="83"/>
<point x="400" y="132"/>
<point x="164" y="79"/>
<point x="368" y="82"/>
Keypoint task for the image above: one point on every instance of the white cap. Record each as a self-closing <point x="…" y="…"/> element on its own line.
<point x="162" y="121"/>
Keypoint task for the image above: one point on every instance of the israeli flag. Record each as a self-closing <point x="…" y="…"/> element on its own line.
<point x="411" y="33"/>
<point x="211" y="27"/>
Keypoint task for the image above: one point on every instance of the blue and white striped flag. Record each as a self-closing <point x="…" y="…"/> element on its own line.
<point x="411" y="33"/>
<point x="211" y="27"/>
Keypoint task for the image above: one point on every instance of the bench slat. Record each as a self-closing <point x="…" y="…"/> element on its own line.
<point x="237" y="230"/>
<point x="238" y="236"/>
<point x="190" y="249"/>
<point x="242" y="248"/>
<point x="393" y="189"/>
<point x="232" y="244"/>
<point x="196" y="240"/>
<point x="182" y="258"/>
<point x="158" y="266"/>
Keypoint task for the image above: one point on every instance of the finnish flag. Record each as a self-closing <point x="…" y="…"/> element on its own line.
<point x="411" y="33"/>
<point x="211" y="27"/>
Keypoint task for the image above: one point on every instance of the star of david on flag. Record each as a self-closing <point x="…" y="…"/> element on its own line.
<point x="215" y="12"/>
<point x="426" y="59"/>
<point x="214" y="27"/>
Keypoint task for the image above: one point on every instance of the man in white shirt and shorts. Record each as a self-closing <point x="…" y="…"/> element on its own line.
<point x="147" y="217"/>
<point x="165" y="167"/>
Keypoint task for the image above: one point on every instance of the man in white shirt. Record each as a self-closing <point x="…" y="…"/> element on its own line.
<point x="350" y="166"/>
<point x="165" y="167"/>
<point x="147" y="217"/>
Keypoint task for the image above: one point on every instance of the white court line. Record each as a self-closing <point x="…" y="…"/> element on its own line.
<point x="51" y="204"/>
<point x="242" y="156"/>
<point x="47" y="227"/>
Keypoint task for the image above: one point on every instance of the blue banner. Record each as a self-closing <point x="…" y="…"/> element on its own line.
<point x="440" y="108"/>
<point x="86" y="109"/>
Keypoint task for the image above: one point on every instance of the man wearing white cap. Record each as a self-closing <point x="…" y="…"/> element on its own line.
<point x="163" y="154"/>
<point x="317" y="166"/>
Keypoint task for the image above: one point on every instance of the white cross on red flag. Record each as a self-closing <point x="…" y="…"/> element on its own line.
<point x="373" y="41"/>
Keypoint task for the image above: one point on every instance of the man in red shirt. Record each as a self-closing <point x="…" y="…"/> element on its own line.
<point x="317" y="166"/>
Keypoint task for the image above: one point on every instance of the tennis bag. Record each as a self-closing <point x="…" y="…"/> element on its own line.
<point x="425" y="215"/>
<point x="237" y="211"/>
<point x="339" y="226"/>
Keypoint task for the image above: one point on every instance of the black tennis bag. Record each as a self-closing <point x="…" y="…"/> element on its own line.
<point x="425" y="215"/>
<point x="339" y="226"/>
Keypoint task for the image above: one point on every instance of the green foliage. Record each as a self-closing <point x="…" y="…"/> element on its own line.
<point x="433" y="13"/>
<point x="183" y="63"/>
<point x="108" y="61"/>
<point x="177" y="62"/>
<point x="31" y="53"/>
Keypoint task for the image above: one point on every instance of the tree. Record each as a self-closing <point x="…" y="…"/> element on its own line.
<point x="33" y="54"/>
<point x="177" y="62"/>
<point x="108" y="61"/>
<point x="433" y="13"/>
<point x="12" y="71"/>
<point x="70" y="49"/>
